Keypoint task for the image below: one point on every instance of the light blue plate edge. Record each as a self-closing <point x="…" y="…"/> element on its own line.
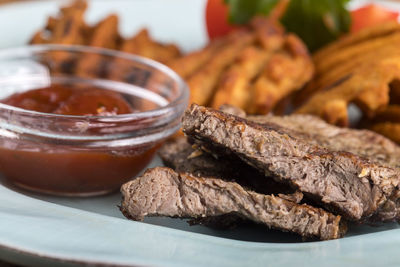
<point x="108" y="240"/>
<point x="123" y="242"/>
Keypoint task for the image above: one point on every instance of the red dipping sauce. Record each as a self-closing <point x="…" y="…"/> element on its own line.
<point x="61" y="99"/>
<point x="56" y="169"/>
<point x="66" y="130"/>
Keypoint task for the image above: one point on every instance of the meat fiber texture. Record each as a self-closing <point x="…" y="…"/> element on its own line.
<point x="163" y="192"/>
<point x="355" y="185"/>
<point x="179" y="155"/>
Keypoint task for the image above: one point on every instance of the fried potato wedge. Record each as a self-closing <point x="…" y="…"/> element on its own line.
<point x="364" y="35"/>
<point x="185" y="66"/>
<point x="233" y="88"/>
<point x="342" y="70"/>
<point x="368" y="88"/>
<point x="69" y="27"/>
<point x="141" y="44"/>
<point x="285" y="72"/>
<point x="337" y="58"/>
<point x="66" y="28"/>
<point x="105" y="35"/>
<point x="202" y="84"/>
<point x="389" y="129"/>
<point x="391" y="113"/>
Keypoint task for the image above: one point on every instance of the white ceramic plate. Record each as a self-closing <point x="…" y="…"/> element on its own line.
<point x="46" y="231"/>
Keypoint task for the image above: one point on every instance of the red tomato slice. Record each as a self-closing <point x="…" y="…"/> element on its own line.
<point x="370" y="15"/>
<point x="217" y="18"/>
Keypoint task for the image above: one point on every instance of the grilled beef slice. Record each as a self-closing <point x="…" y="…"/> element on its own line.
<point x="346" y="183"/>
<point x="363" y="143"/>
<point x="163" y="192"/>
<point x="179" y="155"/>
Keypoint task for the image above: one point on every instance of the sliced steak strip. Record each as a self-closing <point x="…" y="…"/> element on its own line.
<point x="179" y="155"/>
<point x="340" y="181"/>
<point x="363" y="143"/>
<point x="164" y="192"/>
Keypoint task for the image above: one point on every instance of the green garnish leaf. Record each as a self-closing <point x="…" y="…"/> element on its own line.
<point x="316" y="22"/>
<point x="241" y="11"/>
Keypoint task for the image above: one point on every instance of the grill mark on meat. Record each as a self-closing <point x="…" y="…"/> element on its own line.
<point x="207" y="197"/>
<point x="284" y="153"/>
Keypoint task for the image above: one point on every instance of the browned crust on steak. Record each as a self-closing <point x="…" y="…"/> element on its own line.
<point x="163" y="192"/>
<point x="180" y="156"/>
<point x="341" y="181"/>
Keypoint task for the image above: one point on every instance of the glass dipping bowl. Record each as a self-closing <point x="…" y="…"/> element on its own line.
<point x="84" y="155"/>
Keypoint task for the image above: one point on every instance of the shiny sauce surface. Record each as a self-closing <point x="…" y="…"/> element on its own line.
<point x="64" y="170"/>
<point x="61" y="99"/>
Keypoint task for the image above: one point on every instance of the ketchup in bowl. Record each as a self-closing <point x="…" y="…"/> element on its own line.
<point x="79" y="135"/>
<point x="67" y="100"/>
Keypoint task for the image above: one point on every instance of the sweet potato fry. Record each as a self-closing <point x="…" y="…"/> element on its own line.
<point x="368" y="88"/>
<point x="337" y="66"/>
<point x="202" y="84"/>
<point x="390" y="113"/>
<point x="272" y="85"/>
<point x="68" y="28"/>
<point x="51" y="23"/>
<point x="389" y="129"/>
<point x="285" y="72"/>
<point x="335" y="59"/>
<point x="394" y="92"/>
<point x="139" y="44"/>
<point x="105" y="35"/>
<point x="164" y="53"/>
<point x="67" y="31"/>
<point x="324" y="80"/>
<point x="376" y="93"/>
<point x="44" y="36"/>
<point x="364" y="35"/>
<point x="63" y="29"/>
<point x="37" y="38"/>
<point x="185" y="66"/>
<point x="233" y="87"/>
<point x="269" y="33"/>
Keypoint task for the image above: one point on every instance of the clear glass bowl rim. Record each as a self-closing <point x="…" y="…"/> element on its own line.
<point x="26" y="51"/>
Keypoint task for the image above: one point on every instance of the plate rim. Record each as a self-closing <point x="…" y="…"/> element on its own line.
<point x="163" y="230"/>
